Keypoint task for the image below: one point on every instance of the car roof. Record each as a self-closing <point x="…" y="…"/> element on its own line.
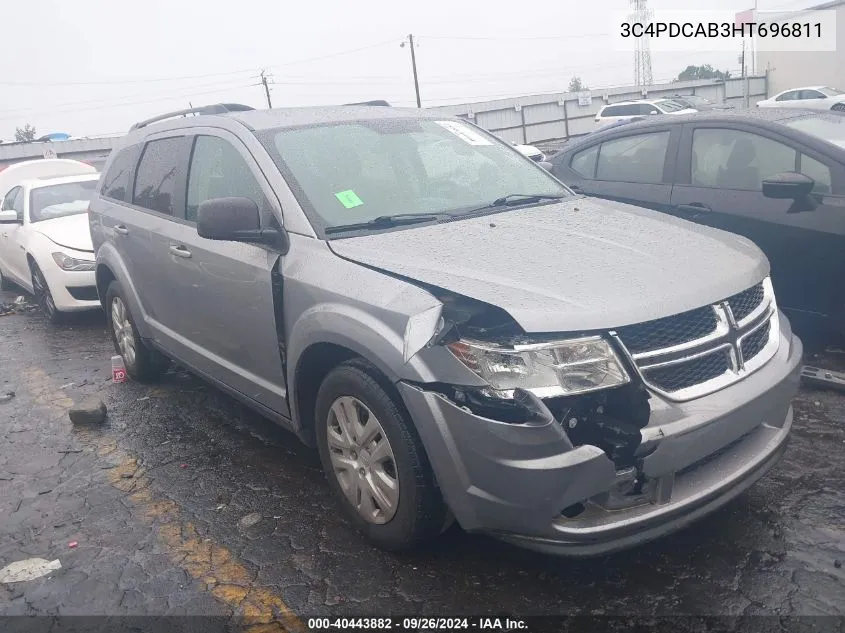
<point x="34" y="183"/>
<point x="293" y="117"/>
<point x="764" y="116"/>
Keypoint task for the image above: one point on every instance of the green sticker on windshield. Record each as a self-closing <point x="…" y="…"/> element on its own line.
<point x="349" y="199"/>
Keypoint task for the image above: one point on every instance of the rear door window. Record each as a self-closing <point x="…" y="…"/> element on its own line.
<point x="638" y="158"/>
<point x="621" y="110"/>
<point x="792" y="95"/>
<point x="116" y="183"/>
<point x="157" y="177"/>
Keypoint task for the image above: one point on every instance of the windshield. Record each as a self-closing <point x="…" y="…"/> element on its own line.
<point x="830" y="92"/>
<point x="55" y="201"/>
<point x="354" y="172"/>
<point x="670" y="106"/>
<point x="827" y="127"/>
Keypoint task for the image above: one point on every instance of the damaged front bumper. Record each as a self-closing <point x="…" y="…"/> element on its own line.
<point x="519" y="482"/>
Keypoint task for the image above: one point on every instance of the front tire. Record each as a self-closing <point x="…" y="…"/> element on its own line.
<point x="374" y="460"/>
<point x="43" y="296"/>
<point x="143" y="363"/>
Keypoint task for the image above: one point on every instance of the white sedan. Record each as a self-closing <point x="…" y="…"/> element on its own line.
<point x="812" y="97"/>
<point x="45" y="243"/>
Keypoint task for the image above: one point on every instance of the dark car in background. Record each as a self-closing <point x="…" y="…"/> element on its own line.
<point x="702" y="104"/>
<point x="776" y="177"/>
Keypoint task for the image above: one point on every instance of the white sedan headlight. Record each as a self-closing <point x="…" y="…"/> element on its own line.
<point x="559" y="368"/>
<point x="66" y="262"/>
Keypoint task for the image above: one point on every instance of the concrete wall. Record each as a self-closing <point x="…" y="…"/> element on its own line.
<point x="793" y="70"/>
<point x="90" y="150"/>
<point x="550" y="117"/>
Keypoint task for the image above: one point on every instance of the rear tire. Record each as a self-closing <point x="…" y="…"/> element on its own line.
<point x="384" y="453"/>
<point x="43" y="296"/>
<point x="143" y="363"/>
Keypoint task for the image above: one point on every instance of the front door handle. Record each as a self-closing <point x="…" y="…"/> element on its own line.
<point x="122" y="230"/>
<point x="695" y="207"/>
<point x="180" y="251"/>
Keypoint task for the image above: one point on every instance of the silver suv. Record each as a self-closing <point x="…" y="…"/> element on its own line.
<point x="459" y="335"/>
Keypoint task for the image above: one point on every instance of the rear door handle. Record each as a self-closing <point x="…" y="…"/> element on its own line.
<point x="695" y="207"/>
<point x="180" y="251"/>
<point x="121" y="229"/>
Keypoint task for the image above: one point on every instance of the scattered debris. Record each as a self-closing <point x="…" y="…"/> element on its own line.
<point x="70" y="451"/>
<point x="837" y="563"/>
<point x="90" y="410"/>
<point x="250" y="520"/>
<point x="183" y="465"/>
<point x="118" y="369"/>
<point x="73" y="544"/>
<point x="29" y="569"/>
<point x="144" y="398"/>
<point x="823" y="378"/>
<point x="220" y="507"/>
<point x="7" y="396"/>
<point x="67" y="386"/>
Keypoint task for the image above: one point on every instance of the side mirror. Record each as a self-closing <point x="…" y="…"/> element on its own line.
<point x="791" y="185"/>
<point x="9" y="217"/>
<point x="236" y="220"/>
<point x="788" y="186"/>
<point x="545" y="165"/>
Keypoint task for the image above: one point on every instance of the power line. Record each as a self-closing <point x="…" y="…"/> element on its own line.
<point x="126" y="103"/>
<point x="188" y="77"/>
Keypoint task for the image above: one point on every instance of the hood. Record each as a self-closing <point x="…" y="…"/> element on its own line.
<point x="582" y="264"/>
<point x="70" y="231"/>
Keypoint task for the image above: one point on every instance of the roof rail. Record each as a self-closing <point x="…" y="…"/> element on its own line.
<point x="217" y="108"/>
<point x="377" y="102"/>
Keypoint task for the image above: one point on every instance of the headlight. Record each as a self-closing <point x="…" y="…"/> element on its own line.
<point x="560" y="368"/>
<point x="70" y="263"/>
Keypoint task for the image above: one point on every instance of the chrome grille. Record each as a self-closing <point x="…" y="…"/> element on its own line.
<point x="744" y="303"/>
<point x="668" y="331"/>
<point x="693" y="372"/>
<point x="754" y="343"/>
<point x="838" y="107"/>
<point x="694" y="353"/>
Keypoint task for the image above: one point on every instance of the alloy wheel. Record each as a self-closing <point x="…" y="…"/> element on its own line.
<point x="41" y="290"/>
<point x="362" y="460"/>
<point x="123" y="333"/>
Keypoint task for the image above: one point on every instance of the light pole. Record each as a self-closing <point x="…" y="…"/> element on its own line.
<point x="410" y="44"/>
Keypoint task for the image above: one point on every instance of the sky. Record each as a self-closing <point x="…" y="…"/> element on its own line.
<point x="94" y="67"/>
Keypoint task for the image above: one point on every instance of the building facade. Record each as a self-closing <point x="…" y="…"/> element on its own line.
<point x="787" y="70"/>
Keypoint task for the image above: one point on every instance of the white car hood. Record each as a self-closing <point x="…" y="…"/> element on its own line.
<point x="70" y="231"/>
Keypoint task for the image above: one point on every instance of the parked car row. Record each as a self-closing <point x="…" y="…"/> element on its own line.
<point x="810" y="97"/>
<point x="775" y="176"/>
<point x="461" y="336"/>
<point x="45" y="242"/>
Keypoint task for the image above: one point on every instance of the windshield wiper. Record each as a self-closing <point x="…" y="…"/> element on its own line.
<point x="517" y="199"/>
<point x="387" y="221"/>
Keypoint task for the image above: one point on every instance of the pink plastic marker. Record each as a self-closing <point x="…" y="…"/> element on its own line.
<point x="118" y="369"/>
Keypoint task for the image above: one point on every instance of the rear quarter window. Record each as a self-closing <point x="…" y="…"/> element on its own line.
<point x="116" y="180"/>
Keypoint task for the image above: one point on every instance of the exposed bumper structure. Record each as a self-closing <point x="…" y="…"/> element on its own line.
<point x="515" y="480"/>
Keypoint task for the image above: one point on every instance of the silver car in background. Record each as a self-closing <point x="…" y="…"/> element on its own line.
<point x="461" y="336"/>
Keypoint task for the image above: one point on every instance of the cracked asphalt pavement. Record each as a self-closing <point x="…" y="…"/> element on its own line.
<point x="146" y="514"/>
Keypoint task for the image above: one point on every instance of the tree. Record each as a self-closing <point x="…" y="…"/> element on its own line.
<point x="575" y="85"/>
<point x="706" y="71"/>
<point x="25" y="134"/>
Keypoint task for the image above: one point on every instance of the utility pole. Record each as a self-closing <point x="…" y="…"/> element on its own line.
<point x="410" y="43"/>
<point x="266" y="89"/>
